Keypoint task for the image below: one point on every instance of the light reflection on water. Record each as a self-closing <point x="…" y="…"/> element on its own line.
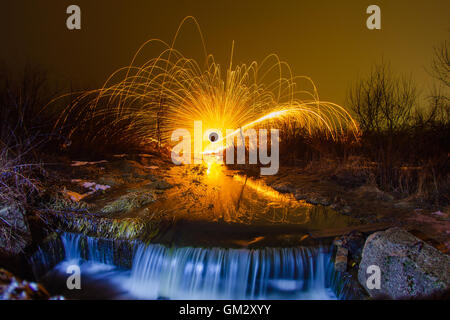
<point x="224" y="195"/>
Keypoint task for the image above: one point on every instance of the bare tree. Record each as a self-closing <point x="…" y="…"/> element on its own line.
<point x="437" y="111"/>
<point x="440" y="65"/>
<point x="439" y="107"/>
<point x="383" y="101"/>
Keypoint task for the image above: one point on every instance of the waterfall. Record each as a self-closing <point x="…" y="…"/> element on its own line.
<point x="72" y="246"/>
<point x="217" y="273"/>
<point x="153" y="271"/>
<point x="78" y="249"/>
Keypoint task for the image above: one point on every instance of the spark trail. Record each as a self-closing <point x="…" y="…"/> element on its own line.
<point x="146" y="102"/>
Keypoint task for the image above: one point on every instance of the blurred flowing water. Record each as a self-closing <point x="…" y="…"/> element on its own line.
<point x="198" y="262"/>
<point x="198" y="273"/>
<point x="158" y="272"/>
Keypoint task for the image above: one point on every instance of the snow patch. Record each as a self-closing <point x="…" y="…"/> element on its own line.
<point x="91" y="186"/>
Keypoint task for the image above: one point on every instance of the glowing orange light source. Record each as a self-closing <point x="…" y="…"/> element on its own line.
<point x="147" y="101"/>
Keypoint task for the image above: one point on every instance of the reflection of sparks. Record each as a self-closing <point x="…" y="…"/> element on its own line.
<point x="213" y="169"/>
<point x="261" y="188"/>
<point x="213" y="165"/>
<point x="209" y="165"/>
<point x="147" y="101"/>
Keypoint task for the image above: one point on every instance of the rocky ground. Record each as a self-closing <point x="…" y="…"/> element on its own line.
<point x="148" y="198"/>
<point x="137" y="197"/>
<point x="14" y="288"/>
<point x="350" y="195"/>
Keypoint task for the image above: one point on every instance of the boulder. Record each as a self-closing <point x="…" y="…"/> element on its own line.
<point x="14" y="230"/>
<point x="354" y="243"/>
<point x="340" y="262"/>
<point x="409" y="267"/>
<point x="13" y="288"/>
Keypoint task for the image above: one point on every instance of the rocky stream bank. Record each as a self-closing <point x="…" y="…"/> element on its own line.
<point x="140" y="197"/>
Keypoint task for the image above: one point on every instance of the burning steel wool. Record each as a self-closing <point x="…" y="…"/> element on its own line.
<point x="147" y="102"/>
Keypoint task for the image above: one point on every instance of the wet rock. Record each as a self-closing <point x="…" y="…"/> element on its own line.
<point x="127" y="228"/>
<point x="280" y="241"/>
<point x="410" y="268"/>
<point x="354" y="243"/>
<point x="315" y="200"/>
<point x="337" y="242"/>
<point x="349" y="249"/>
<point x="283" y="187"/>
<point x="339" y="204"/>
<point x="144" y="228"/>
<point x="63" y="201"/>
<point x="299" y="195"/>
<point x="14" y="230"/>
<point x="343" y="209"/>
<point x="129" y="202"/>
<point x="13" y="288"/>
<point x="111" y="180"/>
<point x="160" y="185"/>
<point x="340" y="262"/>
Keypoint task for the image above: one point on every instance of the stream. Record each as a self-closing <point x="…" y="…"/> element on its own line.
<point x="205" y="260"/>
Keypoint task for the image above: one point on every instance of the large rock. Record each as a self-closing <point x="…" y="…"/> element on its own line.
<point x="13" y="288"/>
<point x="340" y="262"/>
<point x="124" y="229"/>
<point x="129" y="202"/>
<point x="354" y="243"/>
<point x="410" y="268"/>
<point x="14" y="230"/>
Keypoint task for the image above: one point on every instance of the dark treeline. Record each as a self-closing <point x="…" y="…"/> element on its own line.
<point x="404" y="144"/>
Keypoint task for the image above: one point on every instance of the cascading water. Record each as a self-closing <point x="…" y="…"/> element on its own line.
<point x="197" y="273"/>
<point x="157" y="271"/>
